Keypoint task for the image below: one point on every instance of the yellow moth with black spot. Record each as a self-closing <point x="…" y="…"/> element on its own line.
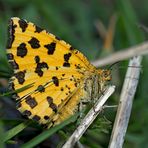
<point x="62" y="78"/>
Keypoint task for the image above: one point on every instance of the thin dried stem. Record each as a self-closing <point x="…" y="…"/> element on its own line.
<point x="89" y="118"/>
<point x="138" y="50"/>
<point x="125" y="104"/>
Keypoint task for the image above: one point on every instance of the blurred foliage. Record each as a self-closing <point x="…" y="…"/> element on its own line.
<point x="74" y="21"/>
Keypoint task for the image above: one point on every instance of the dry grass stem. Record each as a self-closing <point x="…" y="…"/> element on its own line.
<point x="125" y="103"/>
<point x="89" y="118"/>
<point x="138" y="50"/>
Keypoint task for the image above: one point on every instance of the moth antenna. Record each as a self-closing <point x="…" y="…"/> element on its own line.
<point x="110" y="67"/>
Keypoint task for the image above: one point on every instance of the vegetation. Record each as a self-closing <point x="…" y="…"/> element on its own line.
<point x="76" y="22"/>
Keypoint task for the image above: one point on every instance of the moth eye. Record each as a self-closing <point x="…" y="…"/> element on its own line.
<point x="106" y="75"/>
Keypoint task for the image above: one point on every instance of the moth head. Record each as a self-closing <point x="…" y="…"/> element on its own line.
<point x="105" y="75"/>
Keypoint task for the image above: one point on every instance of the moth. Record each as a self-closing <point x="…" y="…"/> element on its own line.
<point x="60" y="78"/>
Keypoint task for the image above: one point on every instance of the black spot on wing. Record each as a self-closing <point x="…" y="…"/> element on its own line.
<point x="62" y="89"/>
<point x="46" y="117"/>
<point x="22" y="50"/>
<point x="34" y="42"/>
<point x="76" y="84"/>
<point x="71" y="48"/>
<point x="77" y="66"/>
<point x="20" y="76"/>
<point x="51" y="48"/>
<point x="18" y="105"/>
<point x="37" y="59"/>
<point x="13" y="64"/>
<point x="49" y="100"/>
<point x="36" y="118"/>
<point x="67" y="57"/>
<point x="31" y="101"/>
<point x="23" y="24"/>
<point x="55" y="81"/>
<point x="11" y="32"/>
<point x="63" y="74"/>
<point x="53" y="107"/>
<point x="10" y="56"/>
<point x="51" y="104"/>
<point x="67" y="87"/>
<point x="38" y="29"/>
<point x="26" y="113"/>
<point x="15" y="96"/>
<point x="66" y="64"/>
<point x="11" y="86"/>
<point x="39" y="72"/>
<point x="45" y="126"/>
<point x="57" y="38"/>
<point x="76" y="52"/>
<point x="41" y="88"/>
<point x="39" y="68"/>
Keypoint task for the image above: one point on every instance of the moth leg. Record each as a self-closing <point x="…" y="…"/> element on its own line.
<point x="82" y="109"/>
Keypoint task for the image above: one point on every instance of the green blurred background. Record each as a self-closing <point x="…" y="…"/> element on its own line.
<point x="97" y="28"/>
